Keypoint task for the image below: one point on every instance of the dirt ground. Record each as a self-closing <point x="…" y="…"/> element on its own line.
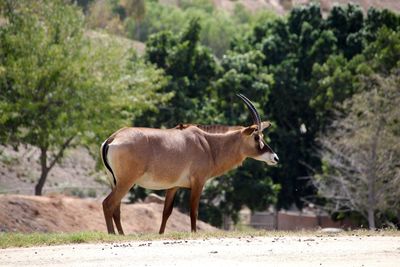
<point x="58" y="213"/>
<point x="252" y="251"/>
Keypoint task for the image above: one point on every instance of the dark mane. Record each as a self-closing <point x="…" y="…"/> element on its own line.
<point x="216" y="128"/>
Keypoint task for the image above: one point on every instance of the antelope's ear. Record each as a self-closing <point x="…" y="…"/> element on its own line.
<point x="265" y="125"/>
<point x="249" y="130"/>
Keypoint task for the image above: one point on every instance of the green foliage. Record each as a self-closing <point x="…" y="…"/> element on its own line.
<point x="347" y="23"/>
<point x="384" y="53"/>
<point x="338" y="79"/>
<point x="219" y="27"/>
<point x="58" y="86"/>
<point x="42" y="57"/>
<point x="377" y="19"/>
<point x="190" y="68"/>
<point x="334" y="81"/>
<point x="313" y="62"/>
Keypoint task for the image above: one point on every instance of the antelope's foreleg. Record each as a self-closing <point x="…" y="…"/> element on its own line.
<point x="168" y="206"/>
<point x="194" y="204"/>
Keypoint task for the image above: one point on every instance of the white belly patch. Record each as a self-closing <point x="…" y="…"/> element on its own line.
<point x="150" y="181"/>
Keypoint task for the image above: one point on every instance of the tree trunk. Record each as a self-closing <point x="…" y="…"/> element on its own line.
<point x="371" y="219"/>
<point x="371" y="200"/>
<point x="47" y="167"/>
<point x="44" y="173"/>
<point x="372" y="177"/>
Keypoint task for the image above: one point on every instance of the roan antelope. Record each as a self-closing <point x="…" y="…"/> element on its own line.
<point x="185" y="156"/>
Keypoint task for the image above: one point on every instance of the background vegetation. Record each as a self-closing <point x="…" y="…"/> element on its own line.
<point x="60" y="86"/>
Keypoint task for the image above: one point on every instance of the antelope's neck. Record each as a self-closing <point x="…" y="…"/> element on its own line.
<point x="225" y="150"/>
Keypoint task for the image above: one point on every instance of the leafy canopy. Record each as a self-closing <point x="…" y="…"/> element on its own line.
<point x="58" y="86"/>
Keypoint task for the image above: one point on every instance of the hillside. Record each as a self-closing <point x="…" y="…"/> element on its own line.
<point x="58" y="213"/>
<point x="124" y="43"/>
<point x="283" y="6"/>
<point x="365" y="4"/>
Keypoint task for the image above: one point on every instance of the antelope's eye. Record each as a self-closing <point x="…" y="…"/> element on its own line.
<point x="257" y="138"/>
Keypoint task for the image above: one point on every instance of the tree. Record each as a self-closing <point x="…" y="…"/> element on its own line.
<point x="333" y="81"/>
<point x="347" y="24"/>
<point x="59" y="88"/>
<point x="191" y="69"/>
<point x="361" y="155"/>
<point x="338" y="79"/>
<point x="41" y="60"/>
<point x="377" y="19"/>
<point x="314" y="65"/>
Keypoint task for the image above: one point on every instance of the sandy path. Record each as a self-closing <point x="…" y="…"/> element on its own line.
<point x="251" y="251"/>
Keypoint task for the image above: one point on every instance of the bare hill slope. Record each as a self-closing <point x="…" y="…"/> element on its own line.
<point x="58" y="213"/>
<point x="283" y="6"/>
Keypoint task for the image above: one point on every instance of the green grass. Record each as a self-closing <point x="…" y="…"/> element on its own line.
<point x="8" y="240"/>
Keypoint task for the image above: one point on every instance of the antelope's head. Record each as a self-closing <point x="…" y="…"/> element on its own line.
<point x="254" y="145"/>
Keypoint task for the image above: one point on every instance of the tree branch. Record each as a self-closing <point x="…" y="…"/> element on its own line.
<point x="60" y="152"/>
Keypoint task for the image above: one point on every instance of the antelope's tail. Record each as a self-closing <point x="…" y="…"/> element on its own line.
<point x="104" y="150"/>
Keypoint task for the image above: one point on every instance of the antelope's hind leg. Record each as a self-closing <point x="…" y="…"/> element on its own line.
<point x="168" y="205"/>
<point x="111" y="207"/>
<point x="108" y="213"/>
<point x="117" y="219"/>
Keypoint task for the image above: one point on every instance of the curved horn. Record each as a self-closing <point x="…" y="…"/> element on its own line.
<point x="252" y="109"/>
